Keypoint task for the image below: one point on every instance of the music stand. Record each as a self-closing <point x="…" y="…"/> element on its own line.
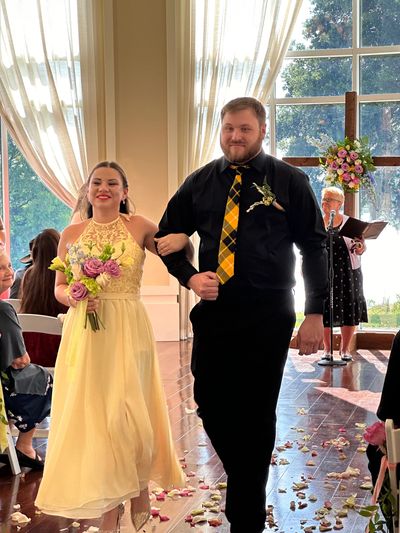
<point x="331" y="361"/>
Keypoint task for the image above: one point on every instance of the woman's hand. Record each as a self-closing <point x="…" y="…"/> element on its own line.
<point x="173" y="242"/>
<point x="92" y="303"/>
<point x="358" y="246"/>
<point x="21" y="362"/>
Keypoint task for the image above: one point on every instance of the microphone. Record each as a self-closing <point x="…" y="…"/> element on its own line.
<point x="331" y="217"/>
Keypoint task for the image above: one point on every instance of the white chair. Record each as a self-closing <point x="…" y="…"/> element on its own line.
<point x="40" y="324"/>
<point x="393" y="455"/>
<point x="15" y="302"/>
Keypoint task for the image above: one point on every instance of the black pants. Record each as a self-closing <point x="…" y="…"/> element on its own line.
<point x="239" y="354"/>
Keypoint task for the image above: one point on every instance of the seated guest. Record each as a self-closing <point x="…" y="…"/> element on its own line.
<point x="27" y="388"/>
<point x="2" y="231"/>
<point x="20" y="272"/>
<point x="37" y="297"/>
<point x="37" y="290"/>
<point x="388" y="408"/>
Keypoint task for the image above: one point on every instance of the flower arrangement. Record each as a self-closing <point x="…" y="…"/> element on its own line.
<point x="267" y="197"/>
<point x="382" y="495"/>
<point x="348" y="163"/>
<point x="88" y="274"/>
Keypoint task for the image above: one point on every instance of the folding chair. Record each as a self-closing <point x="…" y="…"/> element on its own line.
<point x="393" y="455"/>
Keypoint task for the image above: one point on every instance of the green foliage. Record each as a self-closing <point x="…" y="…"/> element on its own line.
<point x="32" y="206"/>
<point x="329" y="25"/>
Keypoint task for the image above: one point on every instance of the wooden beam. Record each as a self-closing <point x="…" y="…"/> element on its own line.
<point x="350" y="131"/>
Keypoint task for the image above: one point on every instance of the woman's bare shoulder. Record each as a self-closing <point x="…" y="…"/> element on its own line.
<point x="73" y="231"/>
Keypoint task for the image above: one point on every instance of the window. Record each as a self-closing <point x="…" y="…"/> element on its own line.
<point x="337" y="47"/>
<point x="32" y="207"/>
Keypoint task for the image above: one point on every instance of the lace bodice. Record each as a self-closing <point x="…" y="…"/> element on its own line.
<point x="115" y="233"/>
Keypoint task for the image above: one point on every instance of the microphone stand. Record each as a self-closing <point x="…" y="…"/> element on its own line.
<point x="331" y="361"/>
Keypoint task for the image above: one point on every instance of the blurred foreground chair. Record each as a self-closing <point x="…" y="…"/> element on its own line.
<point x="393" y="455"/>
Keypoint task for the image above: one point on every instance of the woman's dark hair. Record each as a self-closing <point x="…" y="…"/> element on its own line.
<point x="123" y="206"/>
<point x="37" y="287"/>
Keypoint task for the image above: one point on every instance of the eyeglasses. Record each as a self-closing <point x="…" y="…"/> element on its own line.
<point x="330" y="200"/>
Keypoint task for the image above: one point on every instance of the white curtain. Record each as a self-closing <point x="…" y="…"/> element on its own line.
<point x="224" y="49"/>
<point x="47" y="70"/>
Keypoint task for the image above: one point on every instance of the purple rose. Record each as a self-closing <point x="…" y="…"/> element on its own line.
<point x="112" y="267"/>
<point x="346" y="176"/>
<point x="334" y="165"/>
<point x="359" y="169"/>
<point x="93" y="267"/>
<point x="354" y="155"/>
<point x="345" y="167"/>
<point x="78" y="291"/>
<point x="342" y="153"/>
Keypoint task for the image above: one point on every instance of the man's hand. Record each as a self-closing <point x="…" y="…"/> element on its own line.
<point x="310" y="335"/>
<point x="21" y="362"/>
<point x="205" y="285"/>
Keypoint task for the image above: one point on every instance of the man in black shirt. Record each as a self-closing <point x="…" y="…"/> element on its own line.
<point x="242" y="326"/>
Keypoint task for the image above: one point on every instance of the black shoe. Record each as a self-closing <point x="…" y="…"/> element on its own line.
<point x="35" y="463"/>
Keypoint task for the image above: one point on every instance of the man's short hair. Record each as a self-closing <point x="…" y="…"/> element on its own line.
<point x="245" y="102"/>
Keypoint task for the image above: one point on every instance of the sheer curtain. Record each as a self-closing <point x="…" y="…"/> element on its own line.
<point x="44" y="47"/>
<point x="224" y="49"/>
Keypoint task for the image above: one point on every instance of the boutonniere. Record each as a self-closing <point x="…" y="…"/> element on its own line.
<point x="267" y="197"/>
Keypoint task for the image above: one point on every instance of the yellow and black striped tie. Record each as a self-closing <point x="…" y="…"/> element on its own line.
<point x="227" y="244"/>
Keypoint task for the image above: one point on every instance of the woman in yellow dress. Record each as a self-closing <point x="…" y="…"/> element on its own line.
<point x="109" y="431"/>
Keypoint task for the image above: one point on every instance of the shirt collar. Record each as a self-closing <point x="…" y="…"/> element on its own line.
<point x="258" y="163"/>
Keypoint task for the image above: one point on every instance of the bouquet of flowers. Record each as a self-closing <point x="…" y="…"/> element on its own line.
<point x="88" y="274"/>
<point x="382" y="495"/>
<point x="348" y="163"/>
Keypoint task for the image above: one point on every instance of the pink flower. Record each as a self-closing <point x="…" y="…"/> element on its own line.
<point x="354" y="155"/>
<point x="334" y="165"/>
<point x="346" y="176"/>
<point x="78" y="291"/>
<point x="112" y="268"/>
<point x="359" y="169"/>
<point x="345" y="167"/>
<point x="342" y="153"/>
<point x="93" y="267"/>
<point x="375" y="434"/>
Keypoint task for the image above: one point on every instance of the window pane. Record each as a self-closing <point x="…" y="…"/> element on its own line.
<point x="296" y="123"/>
<point x="380" y="74"/>
<point x="381" y="123"/>
<point x="323" y="25"/>
<point x="32" y="206"/>
<point x="381" y="259"/>
<point x="380" y="22"/>
<point x="314" y="77"/>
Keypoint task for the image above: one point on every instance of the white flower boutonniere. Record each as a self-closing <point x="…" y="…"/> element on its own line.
<point x="267" y="197"/>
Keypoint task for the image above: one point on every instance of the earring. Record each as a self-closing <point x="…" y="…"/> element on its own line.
<point x="124" y="201"/>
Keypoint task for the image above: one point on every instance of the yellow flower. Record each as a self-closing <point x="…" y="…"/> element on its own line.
<point x="57" y="264"/>
<point x="103" y="279"/>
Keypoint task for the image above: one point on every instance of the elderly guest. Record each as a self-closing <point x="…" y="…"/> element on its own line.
<point x="27" y="387"/>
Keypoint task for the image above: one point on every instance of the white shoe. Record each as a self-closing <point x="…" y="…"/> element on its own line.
<point x="346" y="357"/>
<point x="326" y="356"/>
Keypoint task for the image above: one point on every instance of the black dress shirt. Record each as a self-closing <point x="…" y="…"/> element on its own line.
<point x="264" y="258"/>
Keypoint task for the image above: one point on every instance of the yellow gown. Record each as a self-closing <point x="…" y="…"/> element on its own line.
<point x="109" y="430"/>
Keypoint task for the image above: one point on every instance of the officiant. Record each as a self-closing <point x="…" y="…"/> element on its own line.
<point x="349" y="305"/>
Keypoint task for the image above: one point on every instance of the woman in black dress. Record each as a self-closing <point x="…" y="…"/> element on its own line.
<point x="349" y="306"/>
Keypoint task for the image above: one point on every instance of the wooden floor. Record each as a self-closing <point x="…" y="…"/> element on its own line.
<point x="320" y="413"/>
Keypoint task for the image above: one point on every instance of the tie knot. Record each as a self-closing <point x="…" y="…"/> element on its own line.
<point x="239" y="168"/>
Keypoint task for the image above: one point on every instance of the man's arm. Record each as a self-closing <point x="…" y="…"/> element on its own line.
<point x="179" y="218"/>
<point x="310" y="236"/>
